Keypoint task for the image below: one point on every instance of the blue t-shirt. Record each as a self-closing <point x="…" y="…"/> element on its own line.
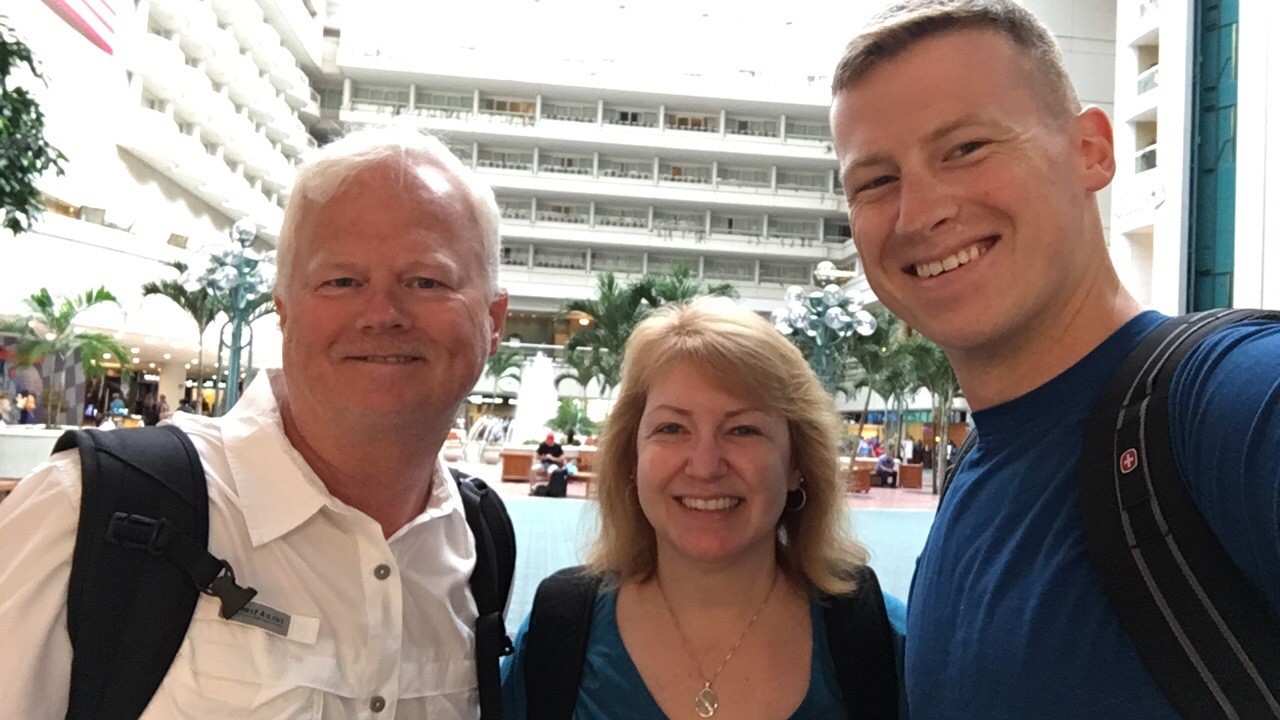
<point x="1007" y="618"/>
<point x="612" y="687"/>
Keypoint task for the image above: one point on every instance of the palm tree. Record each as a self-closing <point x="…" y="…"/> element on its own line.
<point x="934" y="373"/>
<point x="200" y="304"/>
<point x="680" y="286"/>
<point x="583" y="366"/>
<point x="504" y="363"/>
<point x="50" y="332"/>
<point x="616" y="309"/>
<point x="866" y="361"/>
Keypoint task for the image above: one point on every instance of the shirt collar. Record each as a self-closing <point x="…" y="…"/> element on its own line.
<point x="277" y="489"/>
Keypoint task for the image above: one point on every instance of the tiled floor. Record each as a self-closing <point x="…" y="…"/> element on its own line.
<point x="552" y="533"/>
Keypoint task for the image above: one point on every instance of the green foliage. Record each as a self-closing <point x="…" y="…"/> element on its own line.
<point x="617" y="308"/>
<point x="505" y="363"/>
<point x="571" y="419"/>
<point x="200" y="304"/>
<point x="50" y="331"/>
<point x="25" y="155"/>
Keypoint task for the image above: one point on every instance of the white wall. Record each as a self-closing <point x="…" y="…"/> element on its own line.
<point x="86" y="97"/>
<point x="1257" y="242"/>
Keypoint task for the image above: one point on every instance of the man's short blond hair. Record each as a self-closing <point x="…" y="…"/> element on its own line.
<point x="904" y="24"/>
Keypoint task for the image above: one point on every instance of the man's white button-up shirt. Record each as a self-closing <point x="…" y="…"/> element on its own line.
<point x="348" y="624"/>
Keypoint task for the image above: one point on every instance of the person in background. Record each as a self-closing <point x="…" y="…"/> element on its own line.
<point x="117" y="406"/>
<point x="886" y="470"/>
<point x="722" y="533"/>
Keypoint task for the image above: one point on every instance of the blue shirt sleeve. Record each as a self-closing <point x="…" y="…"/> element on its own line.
<point x="513" y="706"/>
<point x="1225" y="423"/>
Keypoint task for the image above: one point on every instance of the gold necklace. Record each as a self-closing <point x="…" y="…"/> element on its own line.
<point x="706" y="701"/>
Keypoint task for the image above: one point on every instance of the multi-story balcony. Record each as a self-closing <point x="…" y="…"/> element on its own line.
<point x="601" y="125"/>
<point x="541" y="277"/>
<point x="534" y="170"/>
<point x="592" y="224"/>
<point x="155" y="137"/>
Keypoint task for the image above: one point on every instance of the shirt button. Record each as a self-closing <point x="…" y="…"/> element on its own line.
<point x="382" y="572"/>
<point x="377" y="704"/>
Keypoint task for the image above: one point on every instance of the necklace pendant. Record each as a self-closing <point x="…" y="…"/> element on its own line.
<point x="706" y="702"/>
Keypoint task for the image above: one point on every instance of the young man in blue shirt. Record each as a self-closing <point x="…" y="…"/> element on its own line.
<point x="971" y="172"/>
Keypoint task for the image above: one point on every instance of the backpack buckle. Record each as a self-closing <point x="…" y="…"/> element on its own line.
<point x="138" y="532"/>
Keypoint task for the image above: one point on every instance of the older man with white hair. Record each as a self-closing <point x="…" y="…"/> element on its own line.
<point x="325" y="489"/>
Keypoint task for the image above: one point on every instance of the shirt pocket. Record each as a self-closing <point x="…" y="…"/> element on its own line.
<point x="231" y="669"/>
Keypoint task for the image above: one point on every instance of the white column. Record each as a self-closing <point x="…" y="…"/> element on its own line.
<point x="773" y="178"/>
<point x="662" y="117"/>
<point x="656" y="167"/>
<point x="595" y="164"/>
<point x="650" y="217"/>
<point x="537" y="107"/>
<point x="782" y="135"/>
<point x="706" y="224"/>
<point x="591" y="216"/>
<point x="715" y="171"/>
<point x="347" y="89"/>
<point x="600" y="112"/>
<point x="536" y="159"/>
<point x="413" y="96"/>
<point x="723" y="127"/>
<point x="475" y="101"/>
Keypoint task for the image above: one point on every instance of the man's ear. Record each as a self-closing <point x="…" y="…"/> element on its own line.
<point x="280" y="308"/>
<point x="1097" y="148"/>
<point x="497" y="319"/>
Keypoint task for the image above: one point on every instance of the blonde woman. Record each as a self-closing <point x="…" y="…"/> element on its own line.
<point x="723" y="582"/>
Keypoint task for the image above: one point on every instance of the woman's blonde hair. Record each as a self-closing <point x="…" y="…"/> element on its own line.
<point x="750" y="357"/>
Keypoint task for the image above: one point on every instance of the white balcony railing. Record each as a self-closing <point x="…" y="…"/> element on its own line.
<point x="1145" y="159"/>
<point x="1149" y="79"/>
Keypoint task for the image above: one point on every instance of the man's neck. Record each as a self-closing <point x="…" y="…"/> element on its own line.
<point x="1015" y="365"/>
<point x="386" y="472"/>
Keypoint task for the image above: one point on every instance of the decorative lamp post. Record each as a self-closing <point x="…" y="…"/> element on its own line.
<point x="240" y="278"/>
<point x="824" y="320"/>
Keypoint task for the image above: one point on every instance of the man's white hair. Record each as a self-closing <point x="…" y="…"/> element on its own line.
<point x="326" y="169"/>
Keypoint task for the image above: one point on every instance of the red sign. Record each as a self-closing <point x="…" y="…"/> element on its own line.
<point x="1128" y="461"/>
<point x="94" y="19"/>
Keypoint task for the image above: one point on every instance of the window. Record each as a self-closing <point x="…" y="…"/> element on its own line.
<point x="618" y="261"/>
<point x="729" y="269"/>
<point x="622" y="217"/>
<point x="665" y="264"/>
<point x="796" y="180"/>
<point x="751" y="177"/>
<point x="515" y="255"/>
<point x="507" y="106"/>
<point x="559" y="258"/>
<point x="784" y="273"/>
<point x="808" y="129"/>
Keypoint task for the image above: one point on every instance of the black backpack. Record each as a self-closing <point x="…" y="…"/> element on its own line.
<point x="1203" y="631"/>
<point x="141" y="561"/>
<point x="555" y="646"/>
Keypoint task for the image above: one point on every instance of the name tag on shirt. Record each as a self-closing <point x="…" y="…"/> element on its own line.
<point x="298" y="628"/>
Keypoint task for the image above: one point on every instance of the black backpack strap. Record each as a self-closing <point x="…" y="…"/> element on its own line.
<point x="139" y="565"/>
<point x="954" y="466"/>
<point x="1205" y="633"/>
<point x="555" y="645"/>
<point x="490" y="584"/>
<point x="860" y="640"/>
